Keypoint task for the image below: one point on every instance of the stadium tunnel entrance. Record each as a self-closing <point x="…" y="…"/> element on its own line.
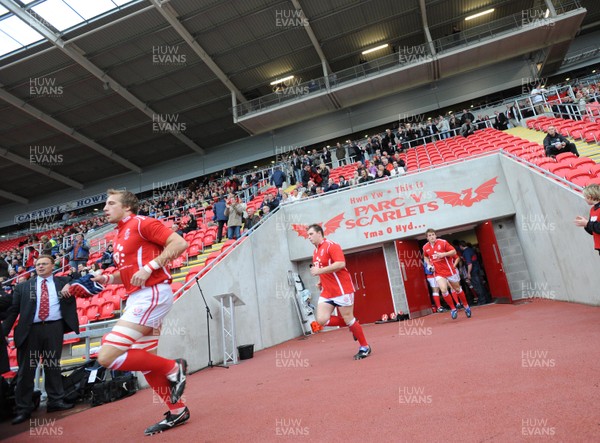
<point x="389" y="278"/>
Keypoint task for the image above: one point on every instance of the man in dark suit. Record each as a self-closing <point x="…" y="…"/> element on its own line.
<point x="47" y="312"/>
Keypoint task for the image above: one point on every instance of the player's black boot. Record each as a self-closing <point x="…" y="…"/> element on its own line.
<point x="170" y="421"/>
<point x="362" y="353"/>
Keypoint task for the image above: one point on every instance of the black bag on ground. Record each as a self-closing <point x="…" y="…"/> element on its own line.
<point x="119" y="385"/>
<point x="77" y="385"/>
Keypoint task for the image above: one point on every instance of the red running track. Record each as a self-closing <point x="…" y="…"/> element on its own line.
<point x="511" y="373"/>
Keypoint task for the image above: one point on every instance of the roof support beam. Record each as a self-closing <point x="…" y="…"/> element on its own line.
<point x="426" y="26"/>
<point x="76" y="53"/>
<point x="313" y="39"/>
<point x="27" y="163"/>
<point x="170" y="15"/>
<point x="71" y="132"/>
<point x="13" y="197"/>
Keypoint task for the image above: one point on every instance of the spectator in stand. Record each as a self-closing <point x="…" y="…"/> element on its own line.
<point x="454" y="124"/>
<point x="331" y="185"/>
<point x="555" y="144"/>
<point x="278" y="177"/>
<point x="95" y="269"/>
<point x="467" y="129"/>
<point x="386" y="164"/>
<point x="431" y="131"/>
<point x="396" y="169"/>
<point x="234" y="210"/>
<point x="501" y="121"/>
<point x="340" y="154"/>
<point x="354" y="152"/>
<point x="79" y="250"/>
<point x="467" y="115"/>
<point x="253" y="183"/>
<point x="191" y="225"/>
<point x="326" y="157"/>
<point x="220" y="217"/>
<point x="388" y="137"/>
<point x="381" y="171"/>
<point x="343" y="183"/>
<point x="306" y="174"/>
<point x="271" y="201"/>
<point x="591" y="193"/>
<point x="293" y="195"/>
<point x="46" y="245"/>
<point x="251" y="219"/>
<point x="537" y="98"/>
<point x="512" y="115"/>
<point x="31" y="258"/>
<point x="296" y="163"/>
<point x="3" y="269"/>
<point x="61" y="261"/>
<point x="323" y="171"/>
<point x="265" y="210"/>
<point x="444" y="127"/>
<point x="364" y="176"/>
<point x="106" y="261"/>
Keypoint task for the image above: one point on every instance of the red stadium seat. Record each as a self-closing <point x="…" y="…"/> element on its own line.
<point x="559" y="169"/>
<point x="227" y="244"/>
<point x="178" y="262"/>
<point x="570" y="175"/>
<point x="583" y="163"/>
<point x="106" y="310"/>
<point x="92" y="312"/>
<point x="595" y="169"/>
<point x="194" y="250"/>
<point x="192" y="272"/>
<point x="121" y="292"/>
<point x="565" y="156"/>
<point x="209" y="239"/>
<point x="582" y="181"/>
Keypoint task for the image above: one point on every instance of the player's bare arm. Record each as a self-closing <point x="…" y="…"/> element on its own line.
<point x="174" y="247"/>
<point x="106" y="279"/>
<point x="444" y="254"/>
<point x="334" y="267"/>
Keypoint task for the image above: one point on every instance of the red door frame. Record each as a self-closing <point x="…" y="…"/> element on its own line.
<point x="492" y="261"/>
<point x="413" y="277"/>
<point x="373" y="295"/>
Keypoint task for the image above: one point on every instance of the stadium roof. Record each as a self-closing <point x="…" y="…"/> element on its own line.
<point x="95" y="89"/>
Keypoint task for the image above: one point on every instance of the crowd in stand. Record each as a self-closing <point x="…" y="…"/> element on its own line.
<point x="306" y="173"/>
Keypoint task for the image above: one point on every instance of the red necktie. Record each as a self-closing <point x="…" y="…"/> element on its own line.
<point x="44" y="302"/>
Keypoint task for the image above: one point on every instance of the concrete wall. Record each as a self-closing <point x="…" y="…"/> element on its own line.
<point x="559" y="256"/>
<point x="395" y="277"/>
<point x="513" y="257"/>
<point x="257" y="272"/>
<point x="402" y="207"/>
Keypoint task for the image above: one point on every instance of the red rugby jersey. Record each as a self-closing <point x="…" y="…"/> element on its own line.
<point x="595" y="218"/>
<point x="139" y="240"/>
<point x="334" y="283"/>
<point x="444" y="266"/>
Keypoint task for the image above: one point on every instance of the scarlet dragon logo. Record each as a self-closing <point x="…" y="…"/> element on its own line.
<point x="329" y="228"/>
